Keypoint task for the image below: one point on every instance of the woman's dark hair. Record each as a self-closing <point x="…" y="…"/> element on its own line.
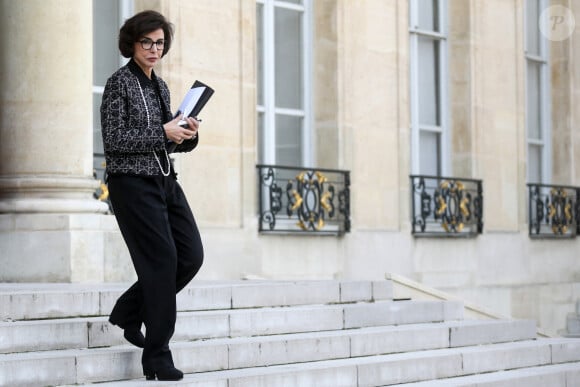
<point x="139" y="25"/>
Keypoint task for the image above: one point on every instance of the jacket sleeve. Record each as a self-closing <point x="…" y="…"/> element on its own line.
<point x="187" y="145"/>
<point x="118" y="135"/>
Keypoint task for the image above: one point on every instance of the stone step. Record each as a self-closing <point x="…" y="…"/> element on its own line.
<point x="383" y="370"/>
<point x="272" y="333"/>
<point x="557" y="375"/>
<point x="42" y="301"/>
<point x="123" y="362"/>
<point x="42" y="335"/>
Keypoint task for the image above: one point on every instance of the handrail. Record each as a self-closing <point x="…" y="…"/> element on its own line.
<point x="404" y="287"/>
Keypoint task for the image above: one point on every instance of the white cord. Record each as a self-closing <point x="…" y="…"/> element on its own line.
<point x="154" y="153"/>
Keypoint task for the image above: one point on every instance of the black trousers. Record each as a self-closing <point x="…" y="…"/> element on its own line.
<point x="166" y="249"/>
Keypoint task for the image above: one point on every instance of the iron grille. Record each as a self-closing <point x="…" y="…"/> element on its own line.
<point x="554" y="211"/>
<point x="298" y="200"/>
<point x="446" y="206"/>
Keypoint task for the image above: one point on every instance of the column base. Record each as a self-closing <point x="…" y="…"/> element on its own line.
<point x="60" y="206"/>
<point x="49" y="194"/>
<point x="85" y="248"/>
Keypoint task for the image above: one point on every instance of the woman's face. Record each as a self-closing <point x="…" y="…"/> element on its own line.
<point x="148" y="50"/>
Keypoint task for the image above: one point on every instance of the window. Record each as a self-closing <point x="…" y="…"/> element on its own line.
<point x="283" y="82"/>
<point x="108" y="16"/>
<point x="428" y="73"/>
<point x="537" y="95"/>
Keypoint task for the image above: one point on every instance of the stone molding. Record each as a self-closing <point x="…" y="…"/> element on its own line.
<point x="49" y="194"/>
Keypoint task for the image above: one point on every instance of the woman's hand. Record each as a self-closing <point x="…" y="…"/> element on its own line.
<point x="177" y="133"/>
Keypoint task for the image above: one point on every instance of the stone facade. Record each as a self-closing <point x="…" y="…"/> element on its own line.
<point x="52" y="230"/>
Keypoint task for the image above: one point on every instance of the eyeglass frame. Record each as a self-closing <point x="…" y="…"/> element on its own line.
<point x="159" y="44"/>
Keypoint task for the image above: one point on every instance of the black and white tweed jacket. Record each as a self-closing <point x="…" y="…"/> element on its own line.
<point x="132" y="118"/>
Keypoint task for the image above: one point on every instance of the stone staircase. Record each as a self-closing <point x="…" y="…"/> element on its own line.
<point x="277" y="333"/>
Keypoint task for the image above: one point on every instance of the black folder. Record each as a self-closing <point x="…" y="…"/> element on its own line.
<point x="192" y="103"/>
<point x="195" y="99"/>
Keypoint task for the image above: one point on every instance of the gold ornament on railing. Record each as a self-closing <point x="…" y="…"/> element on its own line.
<point x="452" y="192"/>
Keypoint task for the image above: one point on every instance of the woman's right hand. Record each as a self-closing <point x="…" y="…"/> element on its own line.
<point x="177" y="133"/>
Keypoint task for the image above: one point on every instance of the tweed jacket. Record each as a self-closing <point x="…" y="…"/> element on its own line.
<point x="133" y="111"/>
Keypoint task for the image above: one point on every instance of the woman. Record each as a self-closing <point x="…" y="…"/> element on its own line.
<point x="151" y="209"/>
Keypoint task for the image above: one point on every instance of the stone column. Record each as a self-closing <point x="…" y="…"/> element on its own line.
<point x="46" y="107"/>
<point x="46" y="184"/>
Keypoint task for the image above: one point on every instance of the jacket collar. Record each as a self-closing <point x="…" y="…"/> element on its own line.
<point x="136" y="70"/>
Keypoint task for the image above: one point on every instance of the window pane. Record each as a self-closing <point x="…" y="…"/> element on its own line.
<point x="261" y="142"/>
<point x="98" y="151"/>
<point x="105" y="34"/>
<point x="532" y="27"/>
<point x="534" y="163"/>
<point x="97" y="138"/>
<point x="299" y="2"/>
<point x="533" y="111"/>
<point x="430" y="151"/>
<point x="288" y="57"/>
<point x="260" y="52"/>
<point x="428" y="15"/>
<point x="428" y="87"/>
<point x="288" y="140"/>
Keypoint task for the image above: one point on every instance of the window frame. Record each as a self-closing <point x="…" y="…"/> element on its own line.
<point x="126" y="10"/>
<point x="441" y="36"/>
<point x="545" y="101"/>
<point x="267" y="147"/>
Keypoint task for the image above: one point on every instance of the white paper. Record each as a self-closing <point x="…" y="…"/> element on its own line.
<point x="189" y="101"/>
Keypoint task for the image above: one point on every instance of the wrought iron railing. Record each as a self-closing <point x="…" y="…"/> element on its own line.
<point x="297" y="200"/>
<point x="446" y="206"/>
<point x="553" y="210"/>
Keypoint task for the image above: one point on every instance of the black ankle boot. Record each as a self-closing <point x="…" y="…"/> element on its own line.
<point x="164" y="374"/>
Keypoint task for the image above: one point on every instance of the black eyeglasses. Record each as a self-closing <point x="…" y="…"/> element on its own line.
<point x="147" y="43"/>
